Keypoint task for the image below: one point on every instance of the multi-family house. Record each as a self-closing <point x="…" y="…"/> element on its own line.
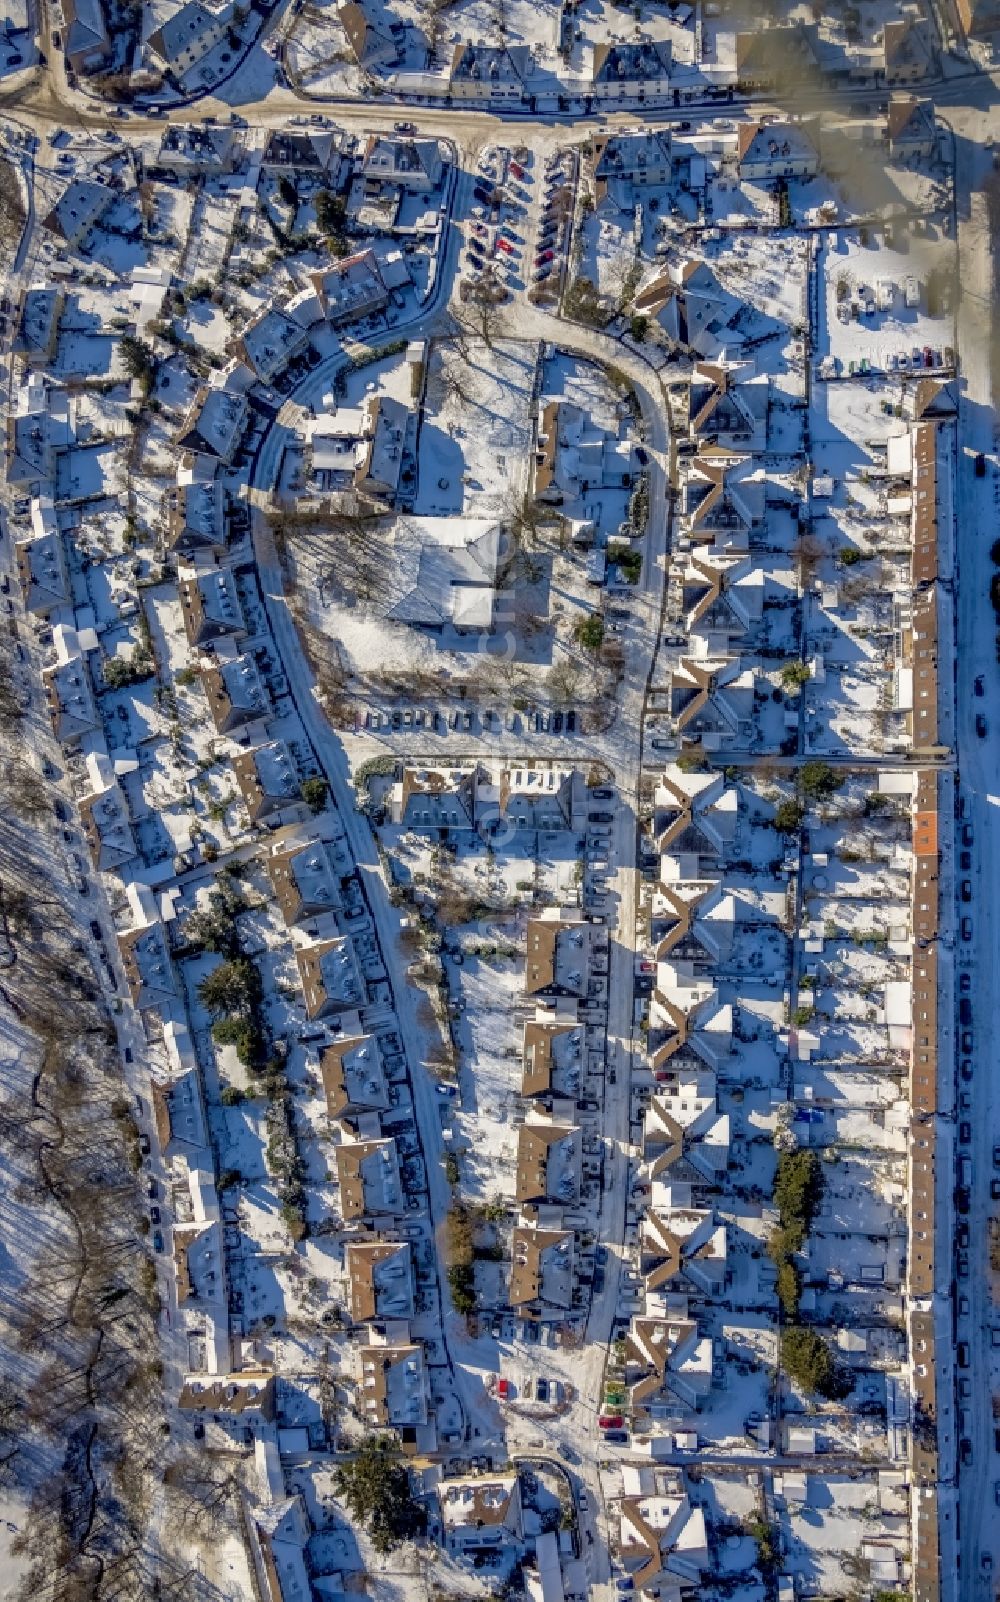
<point x="558" y="954"/>
<point x="78" y="211"/>
<point x="486" y="72"/>
<point x="541" y="1273"/>
<point x="549" y="1156"/>
<point x="330" y="978"/>
<point x="482" y="1513"/>
<point x="214" y="424"/>
<point x="371" y="43"/>
<point x="86" y="45"/>
<point x="663" y="1544"/>
<point x="353" y="1076"/>
<point x="268" y="779"/>
<point x="632" y="71"/>
<point x="105" y="817"/>
<point x="770" y="150"/>
<point x="68" y="689"/>
<point x="210" y="605"/>
<point x="667" y="1361"/>
<point x="368" y="1176"/>
<point x="236" y="693"/>
<point x="552" y="1057"/>
<point x="187" y="36"/>
<point x="303" y="880"/>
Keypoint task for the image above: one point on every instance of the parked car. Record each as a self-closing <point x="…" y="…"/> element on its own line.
<point x="980" y="465"/>
<point x="981" y="725"/>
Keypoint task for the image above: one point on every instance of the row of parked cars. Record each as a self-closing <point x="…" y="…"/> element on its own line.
<point x="489" y="720"/>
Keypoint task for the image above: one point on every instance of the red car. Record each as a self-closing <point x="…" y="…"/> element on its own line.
<point x="543" y="256"/>
<point x="610" y="1421"/>
<point x="506" y="246"/>
<point x="517" y="169"/>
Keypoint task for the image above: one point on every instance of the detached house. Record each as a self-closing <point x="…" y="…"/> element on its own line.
<point x="210" y="605"/>
<point x="369" y="41"/>
<point x="268" y="779"/>
<point x="269" y="343"/>
<point x="68" y="689"/>
<point x="186" y="38"/>
<point x="694" y="812"/>
<point x="368" y="1175"/>
<point x="910" y="128"/>
<point x="215" y="424"/>
<point x="380" y="1274"/>
<point x="329" y="976"/>
<point x="392" y="1386"/>
<point x="769" y="150"/>
<point x="548" y="1162"/>
<point x="489" y="72"/>
<point x="541" y="1274"/>
<point x="907" y="53"/>
<point x="104" y="816"/>
<point x="195" y="517"/>
<point x="681" y="1243"/>
<point x="235" y="692"/>
<point x="666" y="1362"/>
<point x="663" y="1545"/>
<point x="689" y="1143"/>
<point x="303" y="881"/>
<point x="552" y="1057"/>
<point x="636" y="71"/>
<point x="41" y="569"/>
<point x="481" y="1513"/>
<point x="413" y="164"/>
<point x="353" y="1076"/>
<point x="78" y="211"/>
<point x="85" y="36"/>
<point x="558" y="954"/>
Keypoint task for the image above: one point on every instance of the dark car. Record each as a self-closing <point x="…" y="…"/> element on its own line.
<point x="965" y="1452"/>
<point x="980" y="725"/>
<point x="967" y="836"/>
<point x="616" y="1437"/>
<point x="965" y="861"/>
<point x="980" y="465"/>
<point x="979" y="686"/>
<point x="965" y="984"/>
<point x="967" y="1040"/>
<point x="966" y="889"/>
<point x="964" y="1133"/>
<point x="966" y="1069"/>
<point x="157" y="1242"/>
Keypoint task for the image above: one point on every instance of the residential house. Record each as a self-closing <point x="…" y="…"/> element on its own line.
<point x="236" y="692"/>
<point x="548" y="800"/>
<point x="775" y="58"/>
<point x="392" y="1389"/>
<point x="690" y="916"/>
<point x="719" y="509"/>
<point x="666" y="1362"/>
<point x="78" y="211"/>
<point x="687" y="1144"/>
<point x="632" y="71"/>
<point x="41" y="569"/>
<point x="907" y="52"/>
<point x="559" y="952"/>
<point x="368" y="1176"/>
<point x="663" y="1543"/>
<point x="193" y="150"/>
<point x="413" y="164"/>
<point x="179" y="1116"/>
<point x="489" y="72"/>
<point x="549" y="1156"/>
<point x="770" y="150"/>
<point x="380" y="1276"/>
<point x="105" y="818"/>
<point x="86" y="45"/>
<point x="694" y="812"/>
<point x="573" y="457"/>
<point x="352" y="287"/>
<point x="693" y="310"/>
<point x="247" y="1395"/>
<point x="440" y="798"/>
<point x="269" y="343"/>
<point x="681" y="1244"/>
<point x="186" y="37"/>
<point x="541" y="1274"/>
<point x="38" y="324"/>
<point x="329" y="975"/>
<point x="195" y="516"/>
<point x="687" y="1021"/>
<point x="215" y="424"/>
<point x="711" y="697"/>
<point x="297" y="152"/>
<point x="210" y="605"/>
<point x="68" y="689"/>
<point x="721" y="595"/>
<point x="37" y="430"/>
<point x="369" y="41"/>
<point x="481" y="1513"/>
<point x="380" y="464"/>
<point x="303" y="880"/>
<point x="149" y="972"/>
<point x="279" y="1536"/>
<point x="910" y="128"/>
<point x="268" y="779"/>
<point x="552" y="1057"/>
<point x="353" y="1076"/>
<point x="720" y="408"/>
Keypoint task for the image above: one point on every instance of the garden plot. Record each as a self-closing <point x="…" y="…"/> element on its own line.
<point x="820" y="1518"/>
<point x="476" y="432"/>
<point x="768" y="274"/>
<point x="844" y="1087"/>
<point x="607" y="252"/>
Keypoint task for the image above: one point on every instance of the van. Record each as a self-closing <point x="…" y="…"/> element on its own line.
<point x="965" y="1172"/>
